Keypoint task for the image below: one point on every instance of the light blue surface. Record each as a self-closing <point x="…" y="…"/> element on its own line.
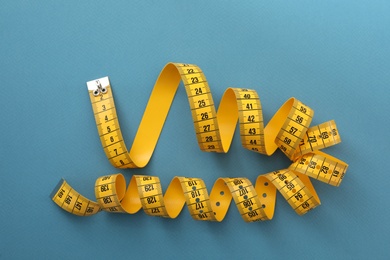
<point x="332" y="55"/>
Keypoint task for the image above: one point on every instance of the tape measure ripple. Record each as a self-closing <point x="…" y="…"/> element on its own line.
<point x="288" y="130"/>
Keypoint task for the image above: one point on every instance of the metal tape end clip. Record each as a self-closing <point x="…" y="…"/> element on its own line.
<point x="98" y="86"/>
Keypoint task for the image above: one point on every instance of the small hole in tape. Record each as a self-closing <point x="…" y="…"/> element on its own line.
<point x="194" y="187"/>
<point x="245" y="197"/>
<point x="263" y="206"/>
<point x="265" y="183"/>
<point x="197" y="199"/>
<point x="217" y="203"/>
<point x="264" y="195"/>
<point x="222" y="193"/>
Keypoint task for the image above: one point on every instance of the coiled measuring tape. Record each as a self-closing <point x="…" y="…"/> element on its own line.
<point x="288" y="130"/>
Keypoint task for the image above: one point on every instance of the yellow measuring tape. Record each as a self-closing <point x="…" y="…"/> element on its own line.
<point x="289" y="130"/>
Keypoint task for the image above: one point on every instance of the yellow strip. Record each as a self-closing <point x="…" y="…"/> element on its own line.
<point x="288" y="130"/>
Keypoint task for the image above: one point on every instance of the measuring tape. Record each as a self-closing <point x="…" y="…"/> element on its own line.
<point x="289" y="130"/>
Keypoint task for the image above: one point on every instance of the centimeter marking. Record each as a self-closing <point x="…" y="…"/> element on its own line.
<point x="318" y="137"/>
<point x="70" y="200"/>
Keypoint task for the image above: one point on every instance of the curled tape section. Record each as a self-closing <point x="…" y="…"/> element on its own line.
<point x="288" y="130"/>
<point x="255" y="203"/>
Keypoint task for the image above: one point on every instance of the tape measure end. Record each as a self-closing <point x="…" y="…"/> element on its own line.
<point x="56" y="188"/>
<point x="93" y="84"/>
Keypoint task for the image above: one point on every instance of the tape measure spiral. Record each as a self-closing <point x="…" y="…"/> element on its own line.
<point x="288" y="130"/>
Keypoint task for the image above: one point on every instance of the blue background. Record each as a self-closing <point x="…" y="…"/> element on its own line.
<point x="332" y="55"/>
